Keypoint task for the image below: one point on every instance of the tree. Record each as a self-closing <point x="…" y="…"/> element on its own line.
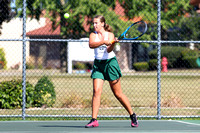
<point x="172" y="11"/>
<point x="5" y="11"/>
<point x="190" y="29"/>
<point x="81" y="14"/>
<point x="82" y="11"/>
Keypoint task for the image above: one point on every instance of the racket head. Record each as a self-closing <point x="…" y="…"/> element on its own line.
<point x="134" y="31"/>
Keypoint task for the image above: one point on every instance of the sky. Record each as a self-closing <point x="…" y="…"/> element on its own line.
<point x="12" y="3"/>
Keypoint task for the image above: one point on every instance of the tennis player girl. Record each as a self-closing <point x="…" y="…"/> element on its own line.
<point x="107" y="68"/>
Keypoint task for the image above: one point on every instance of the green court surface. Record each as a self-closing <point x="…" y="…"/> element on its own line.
<point x="105" y="126"/>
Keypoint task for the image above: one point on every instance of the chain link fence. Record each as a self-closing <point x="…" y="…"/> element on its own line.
<point x="46" y="63"/>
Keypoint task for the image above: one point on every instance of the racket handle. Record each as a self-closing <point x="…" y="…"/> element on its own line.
<point x="112" y="42"/>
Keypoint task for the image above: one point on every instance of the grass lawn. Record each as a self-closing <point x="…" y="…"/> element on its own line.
<point x="180" y="93"/>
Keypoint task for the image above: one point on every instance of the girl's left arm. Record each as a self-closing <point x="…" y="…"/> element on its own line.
<point x="111" y="46"/>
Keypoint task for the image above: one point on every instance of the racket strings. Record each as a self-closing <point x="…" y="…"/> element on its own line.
<point x="136" y="30"/>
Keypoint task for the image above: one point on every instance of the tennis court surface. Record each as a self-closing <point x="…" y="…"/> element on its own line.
<point x="105" y="126"/>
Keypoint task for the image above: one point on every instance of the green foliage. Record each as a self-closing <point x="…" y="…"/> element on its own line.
<point x="153" y="63"/>
<point x="44" y="93"/>
<point x="142" y="8"/>
<point x="78" y="10"/>
<point x="30" y="65"/>
<point x="110" y="3"/>
<point x="5" y="11"/>
<point x="173" y="55"/>
<point x="147" y="9"/>
<point x="190" y="28"/>
<point x="11" y="94"/>
<point x="177" y="57"/>
<point x="80" y="66"/>
<point x="82" y="11"/>
<point x="88" y="9"/>
<point x="189" y="52"/>
<point x="190" y="62"/>
<point x="3" y="61"/>
<point x="141" y="66"/>
<point x="189" y="58"/>
<point x="172" y="11"/>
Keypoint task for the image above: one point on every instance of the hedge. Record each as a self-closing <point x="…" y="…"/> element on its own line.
<point x="11" y="94"/>
<point x="141" y="66"/>
<point x="174" y="56"/>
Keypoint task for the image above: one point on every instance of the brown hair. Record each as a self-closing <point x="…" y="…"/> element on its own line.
<point x="102" y="19"/>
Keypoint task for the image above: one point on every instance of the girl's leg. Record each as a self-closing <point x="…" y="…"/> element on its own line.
<point x="96" y="100"/>
<point x="117" y="91"/>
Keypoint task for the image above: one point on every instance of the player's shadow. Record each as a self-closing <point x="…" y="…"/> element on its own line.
<point x="62" y="126"/>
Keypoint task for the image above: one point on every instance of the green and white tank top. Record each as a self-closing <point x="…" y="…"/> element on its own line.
<point x="101" y="51"/>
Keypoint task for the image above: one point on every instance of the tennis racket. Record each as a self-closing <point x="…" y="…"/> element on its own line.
<point x="133" y="32"/>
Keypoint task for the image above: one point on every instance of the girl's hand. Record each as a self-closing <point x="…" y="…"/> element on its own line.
<point x="116" y="40"/>
<point x="107" y="43"/>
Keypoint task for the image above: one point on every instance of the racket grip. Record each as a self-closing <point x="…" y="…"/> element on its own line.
<point x="112" y="42"/>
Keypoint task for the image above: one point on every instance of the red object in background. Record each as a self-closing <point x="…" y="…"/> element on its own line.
<point x="164" y="64"/>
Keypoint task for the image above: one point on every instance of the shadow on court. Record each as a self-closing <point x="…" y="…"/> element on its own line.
<point x="105" y="126"/>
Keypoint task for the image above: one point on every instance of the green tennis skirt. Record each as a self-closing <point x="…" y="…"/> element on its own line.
<point x="106" y="69"/>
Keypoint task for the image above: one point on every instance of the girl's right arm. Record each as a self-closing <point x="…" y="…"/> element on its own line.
<point x="93" y="43"/>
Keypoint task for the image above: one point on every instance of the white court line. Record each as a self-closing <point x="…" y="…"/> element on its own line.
<point x="187" y="123"/>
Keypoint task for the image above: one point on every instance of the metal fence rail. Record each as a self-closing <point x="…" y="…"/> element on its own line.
<point x="77" y="40"/>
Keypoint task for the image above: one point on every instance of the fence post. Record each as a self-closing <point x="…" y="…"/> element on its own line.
<point x="24" y="62"/>
<point x="159" y="59"/>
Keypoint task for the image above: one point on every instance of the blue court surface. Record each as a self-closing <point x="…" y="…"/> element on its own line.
<point x="105" y="126"/>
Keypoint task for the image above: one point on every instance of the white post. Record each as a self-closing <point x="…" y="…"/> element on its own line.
<point x="69" y="60"/>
